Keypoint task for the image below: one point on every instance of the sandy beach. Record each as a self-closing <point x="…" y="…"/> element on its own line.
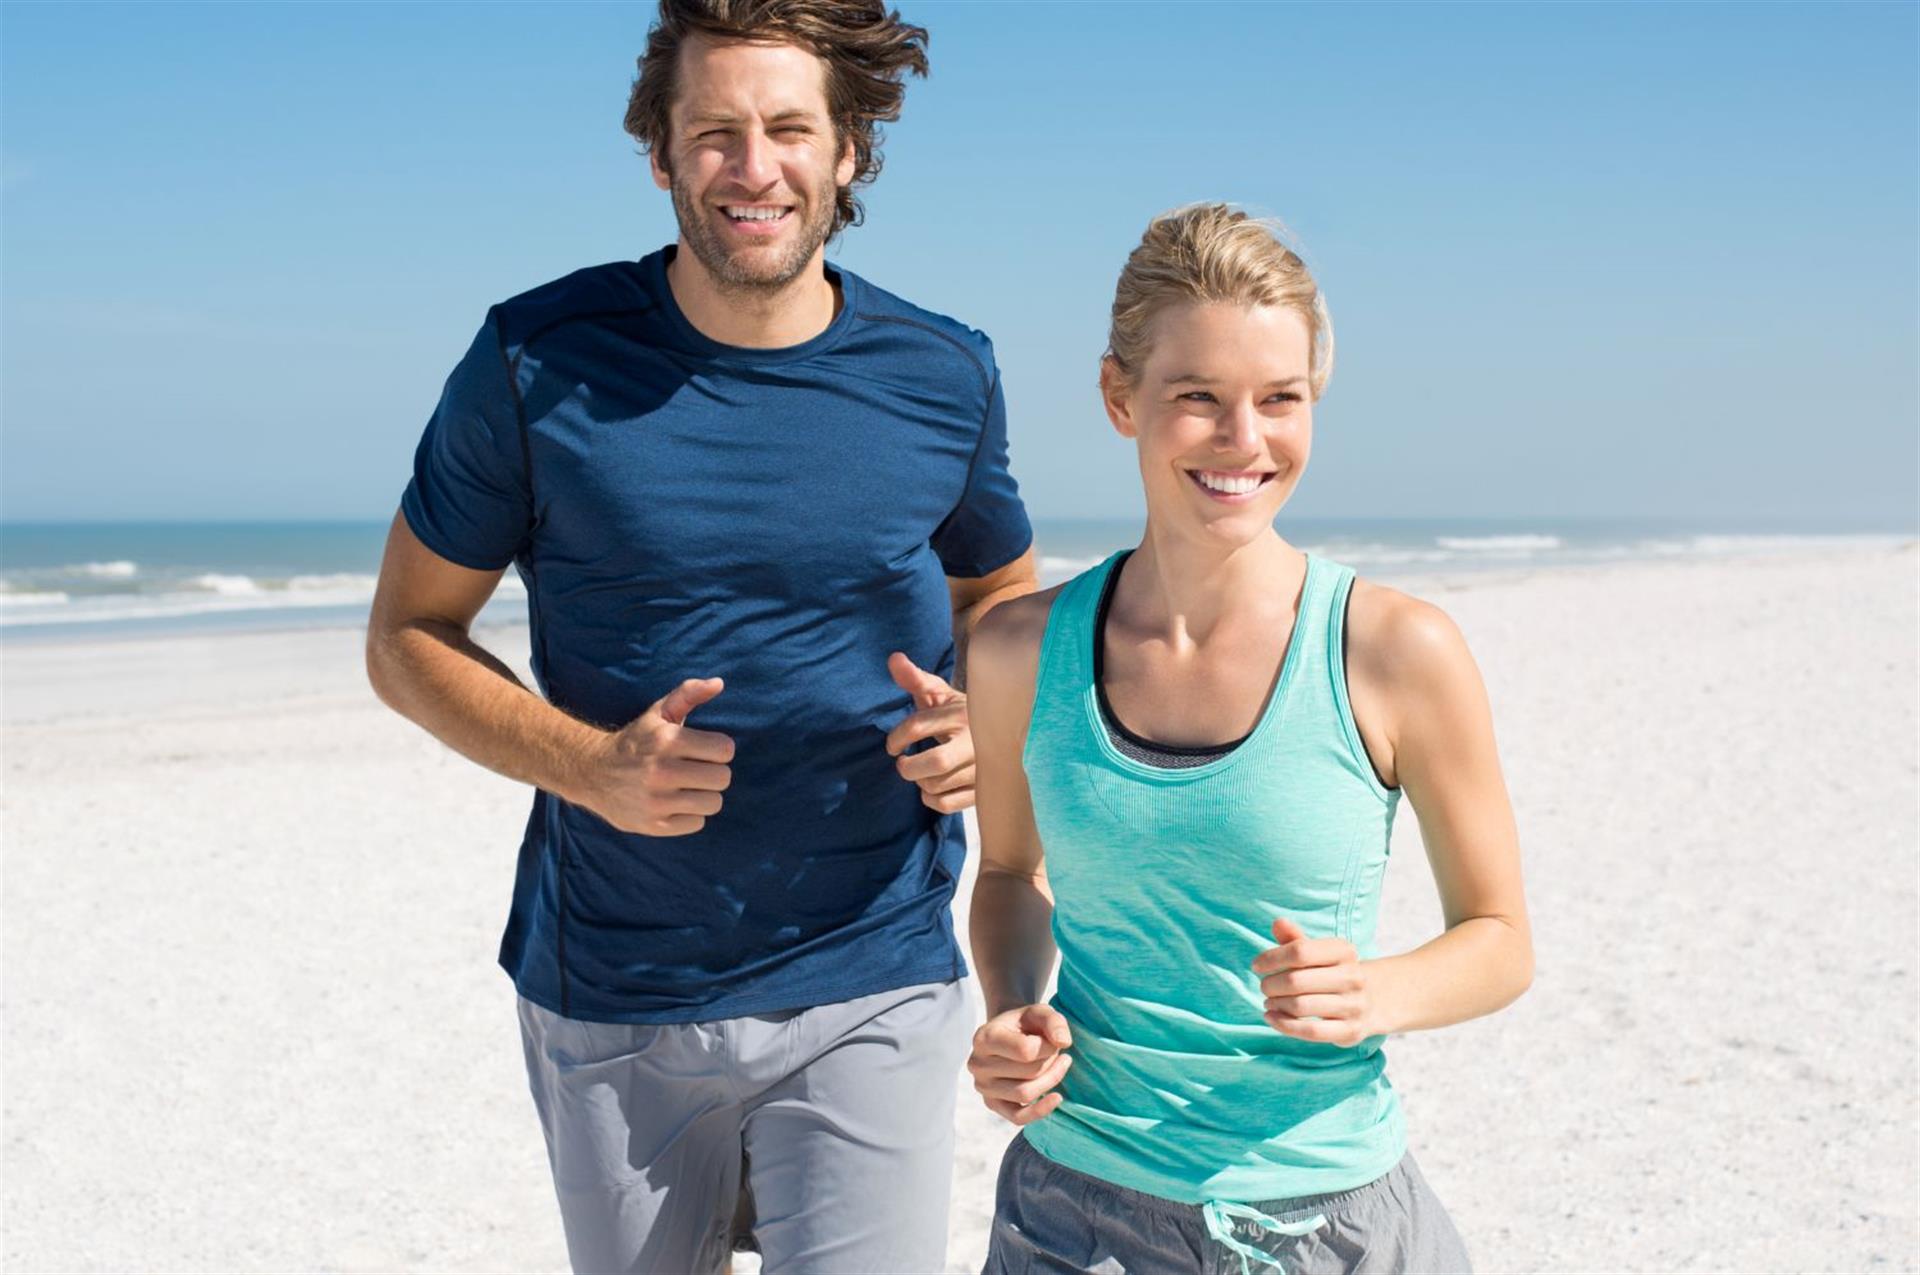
<point x="253" y="1020"/>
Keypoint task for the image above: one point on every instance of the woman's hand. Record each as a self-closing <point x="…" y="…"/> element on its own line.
<point x="1018" y="1057"/>
<point x="1316" y="989"/>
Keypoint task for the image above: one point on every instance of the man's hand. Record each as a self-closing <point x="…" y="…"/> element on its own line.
<point x="1316" y="989"/>
<point x="1018" y="1057"/>
<point x="658" y="776"/>
<point x="944" y="772"/>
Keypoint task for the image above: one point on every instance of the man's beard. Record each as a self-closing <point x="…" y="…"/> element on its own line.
<point x="754" y="270"/>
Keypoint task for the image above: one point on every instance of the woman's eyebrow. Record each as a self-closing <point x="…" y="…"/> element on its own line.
<point x="1199" y="378"/>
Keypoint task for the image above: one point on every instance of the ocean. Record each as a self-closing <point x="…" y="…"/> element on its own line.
<point x="91" y="581"/>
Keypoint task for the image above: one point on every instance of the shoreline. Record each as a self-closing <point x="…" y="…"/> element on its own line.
<point x="142" y="602"/>
<point x="73" y="643"/>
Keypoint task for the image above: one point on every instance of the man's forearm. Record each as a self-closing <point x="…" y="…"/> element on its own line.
<point x="1010" y="927"/>
<point x="433" y="673"/>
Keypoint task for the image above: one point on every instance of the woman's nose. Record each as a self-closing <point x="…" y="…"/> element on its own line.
<point x="1239" y="429"/>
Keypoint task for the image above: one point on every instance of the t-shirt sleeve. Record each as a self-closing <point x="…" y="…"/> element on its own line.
<point x="988" y="528"/>
<point x="469" y="498"/>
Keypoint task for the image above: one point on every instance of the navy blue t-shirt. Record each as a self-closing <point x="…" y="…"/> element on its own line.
<point x="782" y="519"/>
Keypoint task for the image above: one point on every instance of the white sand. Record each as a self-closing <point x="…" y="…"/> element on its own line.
<point x="252" y="1019"/>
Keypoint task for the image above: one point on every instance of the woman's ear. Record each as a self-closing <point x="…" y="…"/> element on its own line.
<point x="1116" y="395"/>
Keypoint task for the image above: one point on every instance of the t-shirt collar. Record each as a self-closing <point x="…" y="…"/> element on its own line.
<point x="654" y="267"/>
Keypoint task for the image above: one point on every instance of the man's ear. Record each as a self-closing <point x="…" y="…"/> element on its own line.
<point x="843" y="171"/>
<point x="1116" y="395"/>
<point x="662" y="175"/>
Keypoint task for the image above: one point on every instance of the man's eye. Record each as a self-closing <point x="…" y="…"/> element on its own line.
<point x="713" y="134"/>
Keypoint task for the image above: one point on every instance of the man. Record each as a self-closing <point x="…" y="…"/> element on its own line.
<point x="757" y="503"/>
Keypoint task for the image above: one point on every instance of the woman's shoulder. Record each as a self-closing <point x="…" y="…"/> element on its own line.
<point x="1013" y="629"/>
<point x="1401" y="643"/>
<point x="1003" y="662"/>
<point x="1016" y="628"/>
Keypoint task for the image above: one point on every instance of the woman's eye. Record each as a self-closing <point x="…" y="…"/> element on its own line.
<point x="1197" y="396"/>
<point x="1284" y="398"/>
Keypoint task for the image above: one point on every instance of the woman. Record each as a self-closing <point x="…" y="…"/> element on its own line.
<point x="1189" y="760"/>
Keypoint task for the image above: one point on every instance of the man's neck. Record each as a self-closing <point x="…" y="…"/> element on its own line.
<point x="755" y="318"/>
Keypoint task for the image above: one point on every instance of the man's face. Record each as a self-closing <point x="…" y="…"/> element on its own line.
<point x="752" y="163"/>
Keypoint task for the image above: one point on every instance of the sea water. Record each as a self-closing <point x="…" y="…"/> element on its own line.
<point x="89" y="581"/>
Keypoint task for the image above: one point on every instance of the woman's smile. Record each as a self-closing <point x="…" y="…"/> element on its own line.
<point x="1231" y="486"/>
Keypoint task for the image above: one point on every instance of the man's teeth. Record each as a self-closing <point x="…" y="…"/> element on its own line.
<point x="756" y="214"/>
<point x="1229" y="486"/>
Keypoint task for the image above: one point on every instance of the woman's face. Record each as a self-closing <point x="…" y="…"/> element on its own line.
<point x="1222" y="414"/>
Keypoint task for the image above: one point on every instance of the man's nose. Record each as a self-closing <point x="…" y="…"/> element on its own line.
<point x="754" y="165"/>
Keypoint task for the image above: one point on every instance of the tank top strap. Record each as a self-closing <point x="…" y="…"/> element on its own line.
<point x="1316" y="628"/>
<point x="1328" y="707"/>
<point x="1066" y="649"/>
<point x="1337" y="583"/>
<point x="1310" y="703"/>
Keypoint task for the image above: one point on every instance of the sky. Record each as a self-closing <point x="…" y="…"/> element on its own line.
<point x="1584" y="260"/>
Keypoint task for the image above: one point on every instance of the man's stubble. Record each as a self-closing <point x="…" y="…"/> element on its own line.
<point x="728" y="270"/>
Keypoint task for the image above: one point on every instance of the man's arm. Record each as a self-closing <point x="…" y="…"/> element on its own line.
<point x="973" y="597"/>
<point x="654" y="775"/>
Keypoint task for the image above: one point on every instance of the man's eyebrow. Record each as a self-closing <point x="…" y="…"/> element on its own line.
<point x="718" y="116"/>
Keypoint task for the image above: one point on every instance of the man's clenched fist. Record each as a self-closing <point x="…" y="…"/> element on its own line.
<point x="658" y="776"/>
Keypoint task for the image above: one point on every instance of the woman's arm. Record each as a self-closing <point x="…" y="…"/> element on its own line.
<point x="1422" y="709"/>
<point x="1018" y="1053"/>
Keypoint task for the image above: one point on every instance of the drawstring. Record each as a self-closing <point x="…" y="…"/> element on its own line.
<point x="1220" y="1215"/>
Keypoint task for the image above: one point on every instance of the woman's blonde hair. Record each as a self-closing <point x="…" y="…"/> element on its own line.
<point x="1207" y="253"/>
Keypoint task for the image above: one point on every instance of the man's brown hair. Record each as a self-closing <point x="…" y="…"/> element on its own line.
<point x="867" y="49"/>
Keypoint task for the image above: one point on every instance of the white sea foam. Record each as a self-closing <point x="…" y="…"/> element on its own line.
<point x="1053" y="570"/>
<point x="1721" y="545"/>
<point x="112" y="608"/>
<point x="226" y="585"/>
<point x="208" y="594"/>
<point x="121" y="570"/>
<point x="1521" y="544"/>
<point x="338" y="582"/>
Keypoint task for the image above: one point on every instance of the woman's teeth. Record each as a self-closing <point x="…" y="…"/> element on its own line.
<point x="1229" y="484"/>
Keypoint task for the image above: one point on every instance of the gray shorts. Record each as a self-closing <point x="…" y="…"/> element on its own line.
<point x="1049" y="1218"/>
<point x="822" y="1136"/>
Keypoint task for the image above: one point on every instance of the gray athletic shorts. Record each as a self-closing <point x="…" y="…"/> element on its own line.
<point x="822" y="1136"/>
<point x="1049" y="1218"/>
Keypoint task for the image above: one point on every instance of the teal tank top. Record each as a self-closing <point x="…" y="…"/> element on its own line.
<point x="1166" y="883"/>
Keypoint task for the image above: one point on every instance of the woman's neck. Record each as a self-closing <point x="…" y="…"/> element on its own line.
<point x="1184" y="587"/>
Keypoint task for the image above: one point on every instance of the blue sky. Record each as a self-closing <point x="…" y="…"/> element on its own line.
<point x="1584" y="260"/>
